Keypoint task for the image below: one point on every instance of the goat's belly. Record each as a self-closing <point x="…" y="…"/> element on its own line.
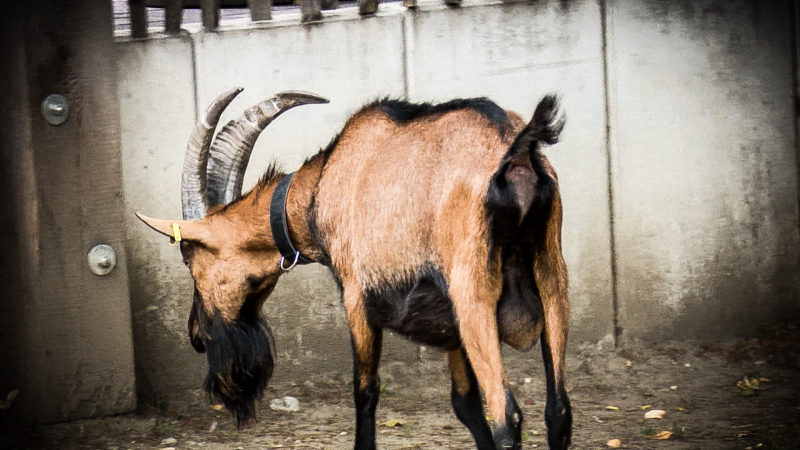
<point x="419" y="311"/>
<point x="422" y="312"/>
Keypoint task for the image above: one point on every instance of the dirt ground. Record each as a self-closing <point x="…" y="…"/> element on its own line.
<point x="739" y="395"/>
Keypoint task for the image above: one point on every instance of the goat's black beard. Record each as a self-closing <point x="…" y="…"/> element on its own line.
<point x="240" y="363"/>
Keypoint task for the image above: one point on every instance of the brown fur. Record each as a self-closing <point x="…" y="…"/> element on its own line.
<point x="459" y="371"/>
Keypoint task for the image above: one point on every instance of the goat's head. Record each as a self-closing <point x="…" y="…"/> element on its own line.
<point x="232" y="258"/>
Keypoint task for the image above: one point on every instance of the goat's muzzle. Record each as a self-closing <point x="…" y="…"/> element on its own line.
<point x="240" y="363"/>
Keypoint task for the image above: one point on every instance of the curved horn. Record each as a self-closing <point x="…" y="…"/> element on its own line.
<point x="193" y="180"/>
<point x="231" y="149"/>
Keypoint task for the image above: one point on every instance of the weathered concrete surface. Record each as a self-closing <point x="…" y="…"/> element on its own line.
<point x="157" y="113"/>
<point x="704" y="166"/>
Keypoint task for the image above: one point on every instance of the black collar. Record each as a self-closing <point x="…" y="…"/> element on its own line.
<point x="279" y="225"/>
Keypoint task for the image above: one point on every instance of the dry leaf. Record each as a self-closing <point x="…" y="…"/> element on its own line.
<point x="614" y="443"/>
<point x="748" y="383"/>
<point x="643" y="407"/>
<point x="749" y="386"/>
<point x="217" y="407"/>
<point x="655" y="414"/>
<point x="661" y="436"/>
<point x="391" y="423"/>
<point x="612" y="408"/>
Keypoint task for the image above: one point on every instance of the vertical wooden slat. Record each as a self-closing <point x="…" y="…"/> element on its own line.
<point x="138" y="18"/>
<point x="310" y="10"/>
<point x="210" y="14"/>
<point x="173" y="12"/>
<point x="74" y="333"/>
<point x="18" y="239"/>
<point x="366" y="7"/>
<point x="260" y="9"/>
<point x="330" y="4"/>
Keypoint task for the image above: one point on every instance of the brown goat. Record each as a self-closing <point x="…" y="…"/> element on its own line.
<point x="440" y="222"/>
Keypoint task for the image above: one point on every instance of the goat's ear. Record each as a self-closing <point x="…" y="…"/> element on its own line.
<point x="193" y="230"/>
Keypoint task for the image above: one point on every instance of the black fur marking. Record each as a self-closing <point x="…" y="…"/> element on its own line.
<point x="402" y="111"/>
<point x="273" y="173"/>
<point x="326" y="153"/>
<point x="316" y="233"/>
<point x="194" y="316"/>
<point x="502" y="205"/>
<point x="419" y="309"/>
<point x="366" y="400"/>
<point x="240" y="359"/>
<point x="510" y="435"/>
<point x="520" y="307"/>
<point x="557" y="411"/>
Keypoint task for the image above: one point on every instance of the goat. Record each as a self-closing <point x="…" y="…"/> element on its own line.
<point x="441" y="222"/>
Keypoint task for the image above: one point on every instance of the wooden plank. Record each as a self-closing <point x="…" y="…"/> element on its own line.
<point x="210" y="14"/>
<point x="173" y="12"/>
<point x="310" y="10"/>
<point x="138" y="18"/>
<point x="366" y="7"/>
<point x="18" y="241"/>
<point x="77" y="341"/>
<point x="260" y="10"/>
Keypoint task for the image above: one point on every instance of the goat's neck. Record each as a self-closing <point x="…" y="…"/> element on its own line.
<point x="298" y="207"/>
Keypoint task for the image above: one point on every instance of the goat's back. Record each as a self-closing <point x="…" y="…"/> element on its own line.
<point x="395" y="196"/>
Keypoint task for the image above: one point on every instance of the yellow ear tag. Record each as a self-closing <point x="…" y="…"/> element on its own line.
<point x="176" y="234"/>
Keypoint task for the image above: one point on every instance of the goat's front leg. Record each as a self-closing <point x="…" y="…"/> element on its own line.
<point x="366" y="345"/>
<point x="466" y="398"/>
<point x="475" y="295"/>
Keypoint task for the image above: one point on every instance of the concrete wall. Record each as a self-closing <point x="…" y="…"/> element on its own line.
<point x="704" y="165"/>
<point x="678" y="165"/>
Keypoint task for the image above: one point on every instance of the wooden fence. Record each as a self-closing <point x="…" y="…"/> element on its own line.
<point x="260" y="10"/>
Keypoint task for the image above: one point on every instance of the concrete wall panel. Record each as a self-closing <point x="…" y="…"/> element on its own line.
<point x="514" y="54"/>
<point x="704" y="165"/>
<point x="157" y="108"/>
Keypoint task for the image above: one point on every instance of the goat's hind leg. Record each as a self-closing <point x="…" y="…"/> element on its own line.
<point x="550" y="273"/>
<point x="466" y="398"/>
<point x="475" y="302"/>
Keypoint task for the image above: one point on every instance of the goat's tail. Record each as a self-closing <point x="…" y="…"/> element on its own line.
<point x="521" y="187"/>
<point x="545" y="126"/>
